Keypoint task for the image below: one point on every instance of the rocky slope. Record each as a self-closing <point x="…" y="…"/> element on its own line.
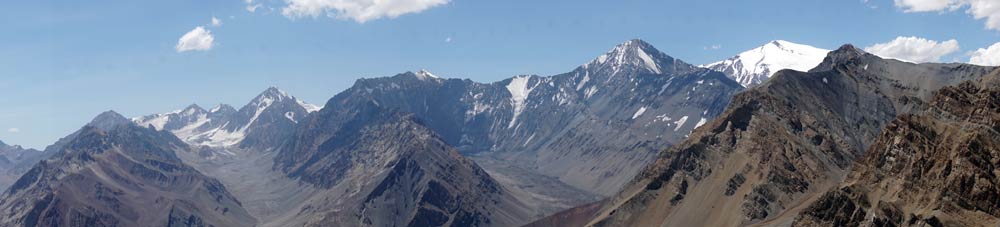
<point x="755" y="66"/>
<point x="778" y="146"/>
<point x="114" y="173"/>
<point x="935" y="168"/>
<point x="592" y="128"/>
<point x="14" y="161"/>
<point x="374" y="166"/>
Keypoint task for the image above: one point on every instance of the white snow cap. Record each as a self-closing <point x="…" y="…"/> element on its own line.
<point x="757" y="65"/>
<point x="423" y="74"/>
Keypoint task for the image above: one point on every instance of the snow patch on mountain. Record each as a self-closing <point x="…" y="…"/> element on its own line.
<point x="519" y="91"/>
<point x="680" y="123"/>
<point x="639" y="112"/>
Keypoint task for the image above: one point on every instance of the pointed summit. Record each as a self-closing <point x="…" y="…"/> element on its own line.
<point x="755" y="66"/>
<point x="273" y="93"/>
<point x="847" y="53"/>
<point x="224" y="108"/>
<point x="193" y="109"/>
<point x="108" y="120"/>
<point x="636" y="56"/>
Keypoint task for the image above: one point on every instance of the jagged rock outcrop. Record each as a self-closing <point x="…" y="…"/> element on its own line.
<point x="114" y="173"/>
<point x="779" y="146"/>
<point x="935" y="168"/>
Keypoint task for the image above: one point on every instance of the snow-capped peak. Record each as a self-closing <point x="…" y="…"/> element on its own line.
<point x="423" y="74"/>
<point x="755" y="66"/>
<point x="632" y="55"/>
<point x="192" y="110"/>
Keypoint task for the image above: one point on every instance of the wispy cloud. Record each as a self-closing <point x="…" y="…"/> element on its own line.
<point x="986" y="56"/>
<point x="914" y="49"/>
<point x="13" y="130"/>
<point x="216" y="22"/>
<point x="713" y="47"/>
<point x="360" y="11"/>
<point x="988" y="10"/>
<point x="251" y="6"/>
<point x="198" y="39"/>
<point x="447" y="40"/>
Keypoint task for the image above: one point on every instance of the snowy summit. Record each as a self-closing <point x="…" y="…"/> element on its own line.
<point x="755" y="66"/>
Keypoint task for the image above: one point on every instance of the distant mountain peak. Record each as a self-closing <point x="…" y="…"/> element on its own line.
<point x="634" y="55"/>
<point x="193" y="109"/>
<point x="755" y="66"/>
<point x="108" y="120"/>
<point x="273" y="93"/>
<point x="424" y="74"/>
<point x="222" y="107"/>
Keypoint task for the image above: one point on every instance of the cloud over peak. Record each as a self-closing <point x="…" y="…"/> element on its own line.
<point x="914" y="49"/>
<point x="360" y="11"/>
<point x="198" y="39"/>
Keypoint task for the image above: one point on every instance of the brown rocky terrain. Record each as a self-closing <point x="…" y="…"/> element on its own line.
<point x="779" y="146"/>
<point x="940" y="167"/>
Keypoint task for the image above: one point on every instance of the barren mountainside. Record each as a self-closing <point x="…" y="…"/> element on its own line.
<point x="779" y="146"/>
<point x="119" y="175"/>
<point x="934" y="168"/>
<point x="592" y="128"/>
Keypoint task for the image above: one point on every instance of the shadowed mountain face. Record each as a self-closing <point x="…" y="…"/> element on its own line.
<point x="113" y="173"/>
<point x="779" y="146"/>
<point x="935" y="168"/>
<point x="376" y="167"/>
<point x="14" y="161"/>
<point x="592" y="128"/>
<point x="19" y="160"/>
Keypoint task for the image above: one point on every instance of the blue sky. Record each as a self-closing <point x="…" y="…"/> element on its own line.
<point x="63" y="62"/>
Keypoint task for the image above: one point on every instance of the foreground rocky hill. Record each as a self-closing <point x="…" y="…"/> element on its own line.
<point x="935" y="168"/>
<point x="779" y="146"/>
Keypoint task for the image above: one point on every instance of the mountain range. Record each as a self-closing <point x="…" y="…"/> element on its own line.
<point x="784" y="134"/>
<point x="779" y="146"/>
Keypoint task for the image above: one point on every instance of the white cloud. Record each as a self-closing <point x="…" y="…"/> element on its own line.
<point x="986" y="56"/>
<point x="988" y="10"/>
<point x="251" y="7"/>
<point x="713" y="47"/>
<point x="357" y="10"/>
<point x="216" y="22"/>
<point x="911" y="6"/>
<point x="13" y="130"/>
<point x="914" y="49"/>
<point x="198" y="39"/>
